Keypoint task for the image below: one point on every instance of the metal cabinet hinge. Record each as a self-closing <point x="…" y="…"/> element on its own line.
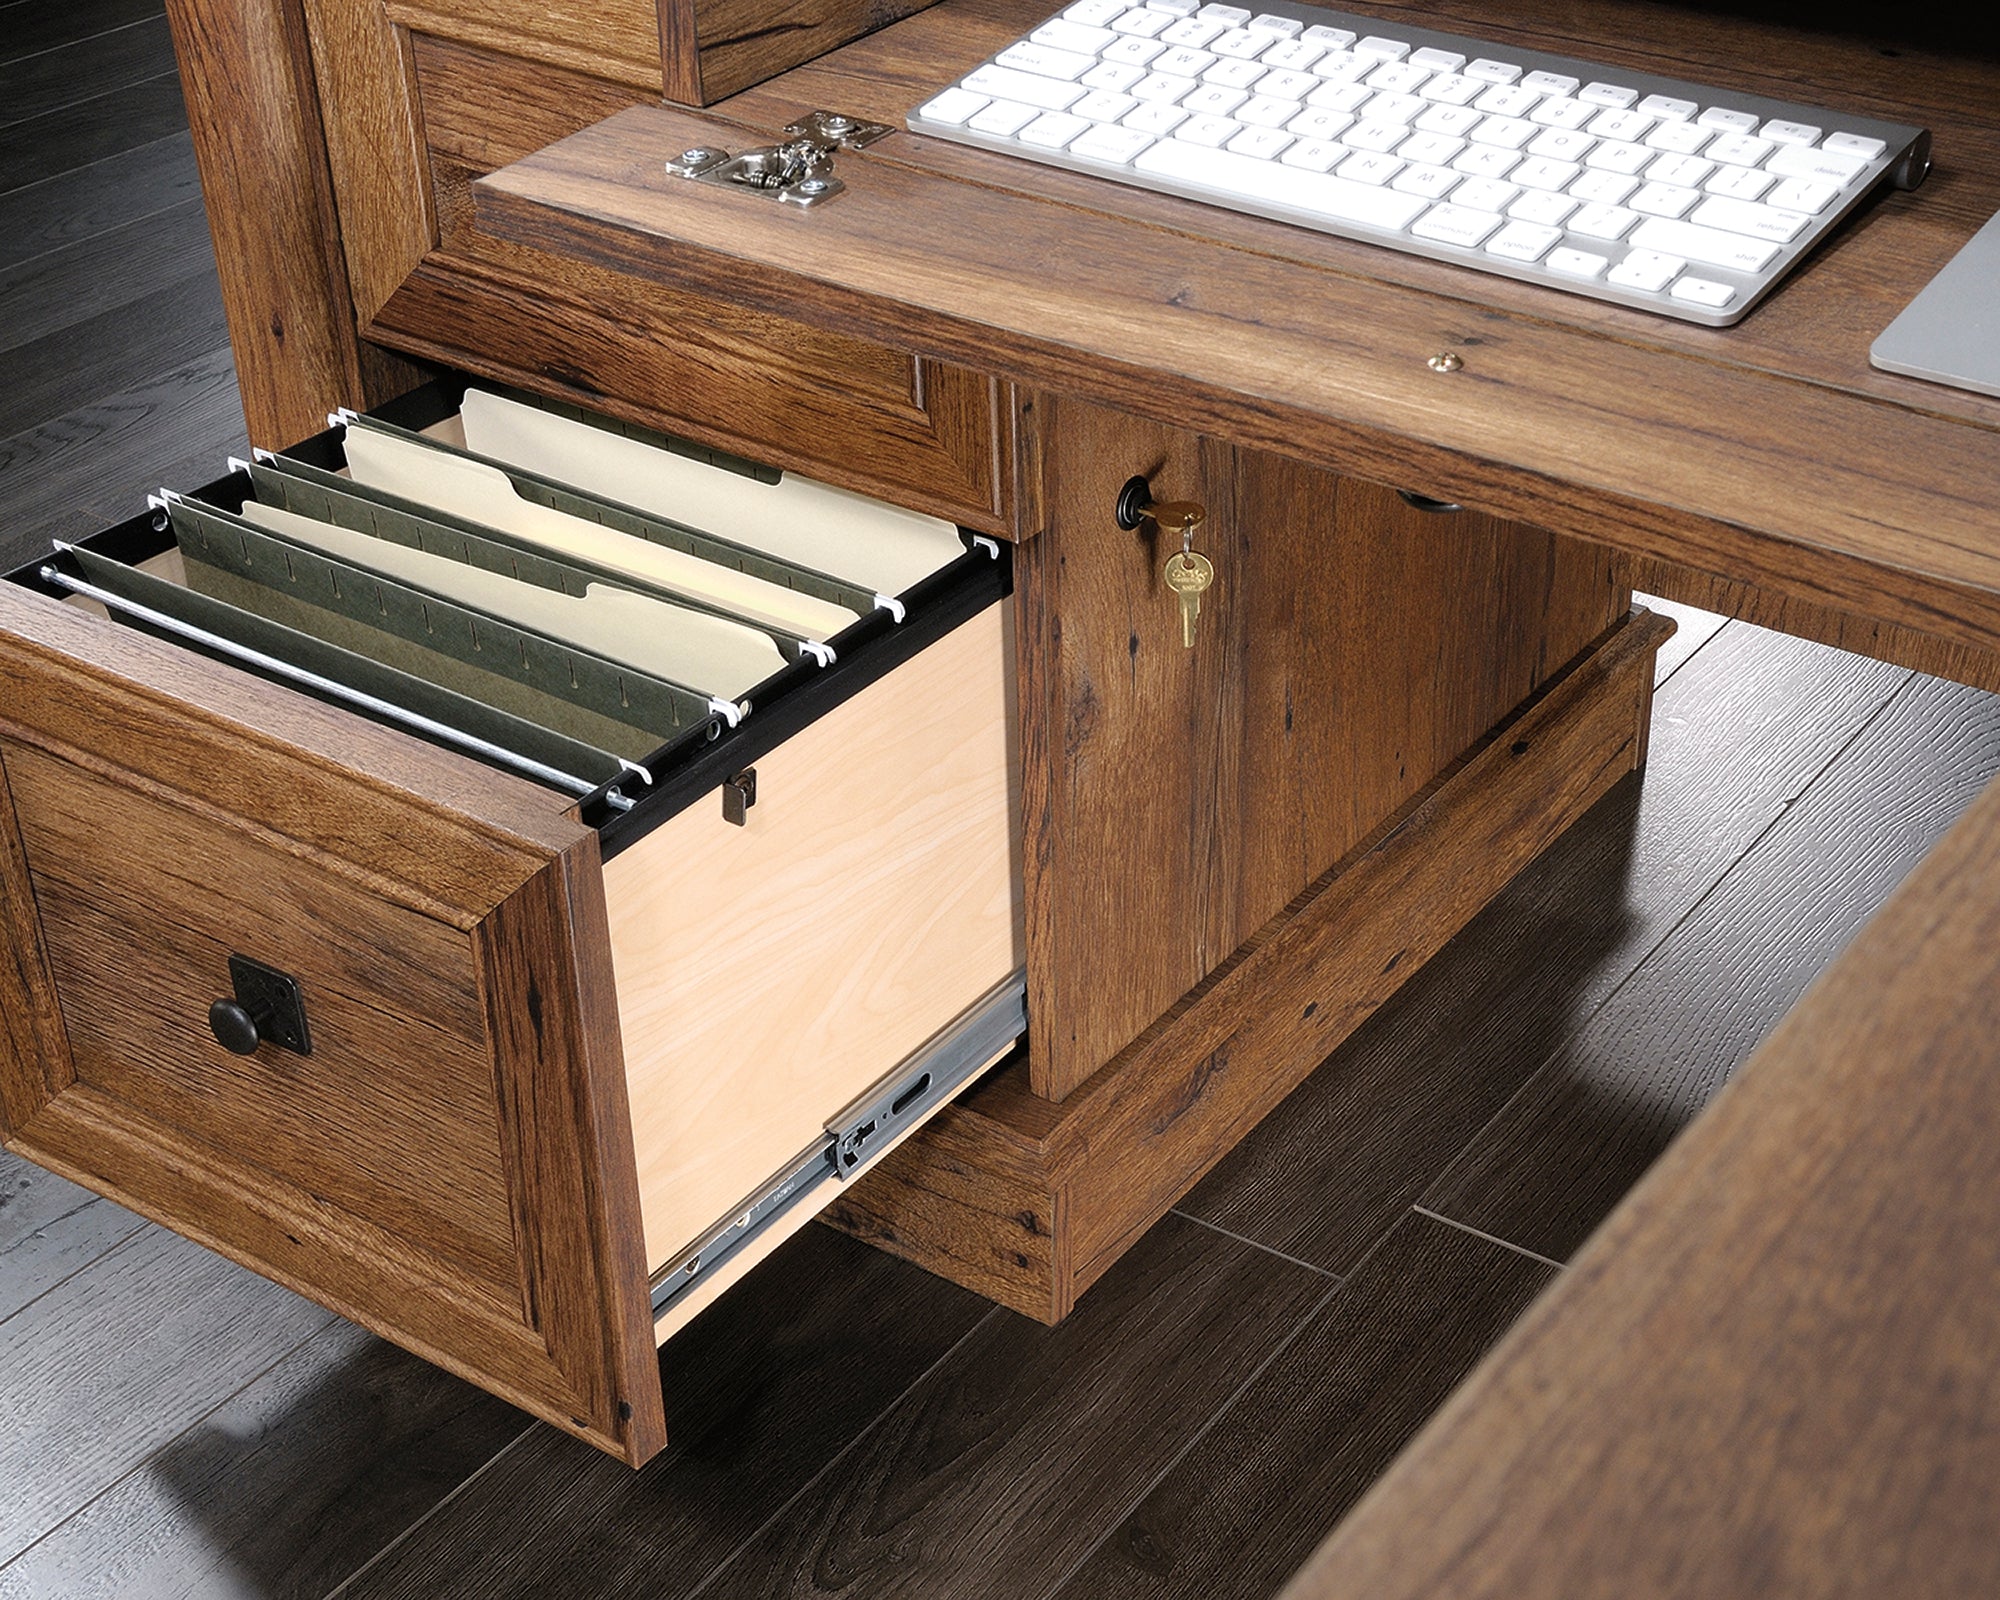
<point x="796" y="171"/>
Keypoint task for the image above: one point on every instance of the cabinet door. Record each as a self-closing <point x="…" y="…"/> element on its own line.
<point x="450" y="1162"/>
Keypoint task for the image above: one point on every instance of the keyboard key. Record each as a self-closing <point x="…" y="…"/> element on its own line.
<point x="1233" y="16"/>
<point x="1798" y="194"/>
<point x="1492" y="71"/>
<point x="1294" y="55"/>
<point x="1739" y="183"/>
<point x="1004" y="83"/>
<point x="1264" y="111"/>
<point x="1101" y="105"/>
<point x="1181" y="62"/>
<point x="1450" y="224"/>
<point x="1570" y="114"/>
<point x="1678" y="138"/>
<point x="1003" y="118"/>
<point x="1645" y="269"/>
<point x="1728" y="121"/>
<point x="1539" y="172"/>
<point x="1549" y="83"/>
<point x="1157" y="119"/>
<point x="1283" y="27"/>
<point x="1382" y="49"/>
<point x="1629" y="126"/>
<point x="1543" y="206"/>
<point x="1603" y="222"/>
<point x="953" y="106"/>
<point x="1454" y="120"/>
<point x="1111" y="144"/>
<point x="1560" y="144"/>
<point x="1369" y="167"/>
<point x="1377" y="136"/>
<point x="1284" y="84"/>
<point x="1387" y="106"/>
<point x="1063" y="34"/>
<point x="1093" y="13"/>
<point x="1485" y="161"/>
<point x="1615" y="156"/>
<point x="1332" y="38"/>
<point x="1607" y="94"/>
<point x="1313" y="123"/>
<point x="1667" y="107"/>
<point x="1663" y="200"/>
<point x="1344" y="97"/>
<point x="1523" y="241"/>
<point x="1710" y="246"/>
<point x="1430" y="182"/>
<point x="1740" y="216"/>
<point x="1175" y="8"/>
<point x="1154" y="89"/>
<point x="1576" y="263"/>
<point x="1484" y="194"/>
<point x="1208" y="131"/>
<point x="1702" y="292"/>
<point x="1237" y="74"/>
<point x="1262" y="143"/>
<point x="1133" y="52"/>
<point x="1685" y="171"/>
<point x="1052" y="130"/>
<point x="1739" y="150"/>
<point x="1779" y="131"/>
<point x="1509" y="133"/>
<point x="1854" y="144"/>
<point x="1836" y="167"/>
<point x="1142" y="24"/>
<point x="1047" y="62"/>
<point x="1321" y="194"/>
<point x="1452" y="89"/>
<point x="1196" y="33"/>
<point x="1212" y="100"/>
<point x="1432" y="149"/>
<point x="1604" y="188"/>
<point x="1240" y="44"/>
<point x="1117" y="76"/>
<point x="1343" y="67"/>
<point x="1437" y="60"/>
<point x="1398" y="77"/>
<point x="1315" y="155"/>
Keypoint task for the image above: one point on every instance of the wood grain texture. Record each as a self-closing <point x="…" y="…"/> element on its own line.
<point x="763" y="1391"/>
<point x="50" y="1230"/>
<point x="1177" y="799"/>
<point x="1739" y="735"/>
<point x="116" y="190"/>
<point x="1031" y="1200"/>
<point x="39" y="82"/>
<point x="770" y="973"/>
<point x="1001" y="1467"/>
<point x="121" y="122"/>
<point x="1282" y="1464"/>
<point x="286" y="1488"/>
<point x="1610" y="1099"/>
<point x="714" y="48"/>
<point x="254" y="113"/>
<point x="387" y="852"/>
<point x="115" y="1362"/>
<point x="1887" y="511"/>
<point x="1767" y="1373"/>
<point x="73" y="283"/>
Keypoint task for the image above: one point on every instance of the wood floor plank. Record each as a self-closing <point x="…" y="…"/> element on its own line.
<point x="1009" y="1461"/>
<point x="81" y="202"/>
<point x="101" y="1371"/>
<point x="62" y="288"/>
<point x="95" y="465"/>
<point x="285" y="1490"/>
<point x="29" y="29"/>
<point x="762" y="1391"/>
<point x="33" y="86"/>
<point x="90" y="130"/>
<point x="1241" y="1510"/>
<point x="1695" y="628"/>
<point x="1591" y="1120"/>
<point x="49" y="1230"/>
<point x="1738" y="734"/>
<point x="111" y="351"/>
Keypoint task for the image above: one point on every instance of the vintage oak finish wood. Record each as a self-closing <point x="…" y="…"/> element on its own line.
<point x="771" y="973"/>
<point x="1030" y="1201"/>
<point x="715" y="47"/>
<point x="1782" y="1334"/>
<point x="453" y="1165"/>
<point x="1177" y="799"/>
<point x="1844" y="494"/>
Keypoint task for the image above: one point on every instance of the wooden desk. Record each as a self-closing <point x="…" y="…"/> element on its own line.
<point x="1764" y="469"/>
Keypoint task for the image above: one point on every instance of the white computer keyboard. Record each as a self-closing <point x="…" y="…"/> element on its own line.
<point x="1648" y="191"/>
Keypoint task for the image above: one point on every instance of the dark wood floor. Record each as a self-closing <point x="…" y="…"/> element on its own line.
<point x="844" y="1424"/>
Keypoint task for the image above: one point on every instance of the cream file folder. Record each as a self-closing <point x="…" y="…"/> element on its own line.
<point x="711" y="654"/>
<point x="829" y="530"/>
<point x="428" y="475"/>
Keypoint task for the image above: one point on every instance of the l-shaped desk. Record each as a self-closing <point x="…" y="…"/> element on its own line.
<point x="1805" y="1291"/>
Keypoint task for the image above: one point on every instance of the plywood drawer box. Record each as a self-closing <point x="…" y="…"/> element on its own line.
<point x="574" y="1059"/>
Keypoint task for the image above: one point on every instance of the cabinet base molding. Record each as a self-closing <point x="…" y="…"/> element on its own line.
<point x="1029" y="1201"/>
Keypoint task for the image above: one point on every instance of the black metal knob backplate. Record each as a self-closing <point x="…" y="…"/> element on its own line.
<point x="235" y="1029"/>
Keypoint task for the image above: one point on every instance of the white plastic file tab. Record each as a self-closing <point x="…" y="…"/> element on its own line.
<point x="829" y="530"/>
<point x="471" y="489"/>
<point x="710" y="654"/>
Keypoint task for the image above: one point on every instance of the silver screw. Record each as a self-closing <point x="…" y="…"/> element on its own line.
<point x="812" y="186"/>
<point x="836" y="123"/>
<point x="1445" y="361"/>
<point x="690" y="158"/>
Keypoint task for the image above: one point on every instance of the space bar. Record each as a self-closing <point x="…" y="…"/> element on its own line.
<point x="1233" y="176"/>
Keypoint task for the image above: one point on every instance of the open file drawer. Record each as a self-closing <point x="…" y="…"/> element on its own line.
<point x="574" y="1060"/>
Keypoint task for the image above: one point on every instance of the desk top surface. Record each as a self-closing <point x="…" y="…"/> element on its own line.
<point x="1771" y="452"/>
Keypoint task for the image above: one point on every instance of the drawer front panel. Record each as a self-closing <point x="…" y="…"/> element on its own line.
<point x="452" y="1164"/>
<point x="142" y="904"/>
<point x="771" y="972"/>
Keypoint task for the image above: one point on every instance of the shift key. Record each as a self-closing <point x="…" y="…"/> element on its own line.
<point x="1004" y="83"/>
<point x="1710" y="246"/>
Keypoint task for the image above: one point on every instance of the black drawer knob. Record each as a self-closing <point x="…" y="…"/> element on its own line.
<point x="235" y="1029"/>
<point x="267" y="1008"/>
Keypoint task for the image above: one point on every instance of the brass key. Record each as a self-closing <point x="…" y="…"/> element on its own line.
<point x="1189" y="573"/>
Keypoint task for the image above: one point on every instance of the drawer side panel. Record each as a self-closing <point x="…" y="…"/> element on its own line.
<point x="770" y="973"/>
